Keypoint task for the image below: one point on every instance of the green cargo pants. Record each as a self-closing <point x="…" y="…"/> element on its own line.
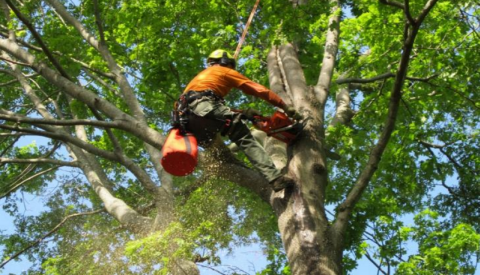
<point x="209" y="116"/>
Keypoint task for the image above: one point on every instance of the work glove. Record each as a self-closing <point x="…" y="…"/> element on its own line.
<point x="251" y="113"/>
<point x="292" y="113"/>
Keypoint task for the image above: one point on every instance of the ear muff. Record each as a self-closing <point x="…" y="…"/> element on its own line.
<point x="226" y="61"/>
<point x="222" y="58"/>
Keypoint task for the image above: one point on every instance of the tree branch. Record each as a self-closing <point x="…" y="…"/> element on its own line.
<point x="17" y="185"/>
<point x="8" y="147"/>
<point x="118" y="208"/>
<point x="343" y="115"/>
<point x="8" y="83"/>
<point x="283" y="76"/>
<point x="135" y="127"/>
<point x="57" y="122"/>
<point x="275" y="75"/>
<point x="329" y="55"/>
<point x="381" y="77"/>
<point x="363" y="80"/>
<point x="128" y="93"/>
<point x="55" y="229"/>
<point x="38" y="49"/>
<point x="41" y="160"/>
<point x="14" y="62"/>
<point x="431" y="145"/>
<point x="439" y="171"/>
<point x="233" y="170"/>
<point x="408" y="15"/>
<point x="120" y="78"/>
<point x="65" y="138"/>
<point x="375" y="264"/>
<point x="393" y="4"/>
<point x="39" y="40"/>
<point x="426" y="9"/>
<point x="98" y="21"/>
<point x="346" y="207"/>
<point x="117" y="157"/>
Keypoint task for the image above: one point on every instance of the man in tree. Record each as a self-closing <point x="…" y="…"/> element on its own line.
<point x="203" y="97"/>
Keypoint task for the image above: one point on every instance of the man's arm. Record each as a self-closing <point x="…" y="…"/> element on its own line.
<point x="255" y="89"/>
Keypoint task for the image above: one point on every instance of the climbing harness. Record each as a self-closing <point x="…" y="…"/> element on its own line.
<point x="181" y="111"/>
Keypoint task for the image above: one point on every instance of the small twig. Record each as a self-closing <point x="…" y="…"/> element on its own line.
<point x="39" y="160"/>
<point x="439" y="171"/>
<point x="15" y="62"/>
<point x="38" y="38"/>
<point x="364" y="80"/>
<point x="98" y="21"/>
<point x="17" y="185"/>
<point x="71" y="122"/>
<point x="55" y="229"/>
<point x="382" y="77"/>
<point x="8" y="83"/>
<point x="465" y="18"/>
<point x="206" y="266"/>
<point x="431" y="145"/>
<point x="374" y="263"/>
<point x="393" y="4"/>
<point x="66" y="138"/>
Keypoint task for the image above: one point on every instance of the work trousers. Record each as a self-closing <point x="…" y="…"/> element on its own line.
<point x="208" y="116"/>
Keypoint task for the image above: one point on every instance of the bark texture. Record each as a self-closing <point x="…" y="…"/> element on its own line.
<point x="315" y="245"/>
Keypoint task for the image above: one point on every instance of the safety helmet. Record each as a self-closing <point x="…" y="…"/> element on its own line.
<point x="221" y="57"/>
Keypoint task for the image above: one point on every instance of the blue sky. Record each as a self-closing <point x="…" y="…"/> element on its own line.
<point x="250" y="259"/>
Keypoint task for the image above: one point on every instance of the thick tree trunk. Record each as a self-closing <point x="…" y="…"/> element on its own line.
<point x="312" y="245"/>
<point x="310" y="248"/>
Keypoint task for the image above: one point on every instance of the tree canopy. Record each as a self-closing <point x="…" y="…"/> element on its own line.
<point x="388" y="89"/>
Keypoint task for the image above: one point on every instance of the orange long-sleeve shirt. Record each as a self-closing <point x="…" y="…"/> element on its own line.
<point x="221" y="80"/>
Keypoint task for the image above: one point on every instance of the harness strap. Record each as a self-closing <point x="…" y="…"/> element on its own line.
<point x="181" y="112"/>
<point x="191" y="96"/>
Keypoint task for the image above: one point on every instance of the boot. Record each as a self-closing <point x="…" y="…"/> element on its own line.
<point x="281" y="183"/>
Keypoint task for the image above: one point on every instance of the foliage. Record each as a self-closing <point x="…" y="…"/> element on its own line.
<point x="441" y="251"/>
<point x="432" y="160"/>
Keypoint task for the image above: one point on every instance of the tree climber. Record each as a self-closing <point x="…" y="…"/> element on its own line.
<point x="207" y="113"/>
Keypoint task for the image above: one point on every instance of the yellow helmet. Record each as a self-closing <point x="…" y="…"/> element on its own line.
<point x="221" y="57"/>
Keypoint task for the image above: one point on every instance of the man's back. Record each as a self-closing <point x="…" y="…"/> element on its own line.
<point x="219" y="79"/>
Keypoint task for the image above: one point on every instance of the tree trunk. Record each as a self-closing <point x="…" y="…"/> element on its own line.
<point x="312" y="245"/>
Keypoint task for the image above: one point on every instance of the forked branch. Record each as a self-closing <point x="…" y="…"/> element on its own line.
<point x="345" y="209"/>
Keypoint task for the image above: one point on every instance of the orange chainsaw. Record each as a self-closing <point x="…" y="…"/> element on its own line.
<point x="279" y="126"/>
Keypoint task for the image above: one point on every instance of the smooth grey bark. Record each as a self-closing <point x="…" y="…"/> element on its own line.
<point x="310" y="244"/>
<point x="315" y="245"/>
<point x="129" y="123"/>
<point x="343" y="110"/>
<point x="301" y="216"/>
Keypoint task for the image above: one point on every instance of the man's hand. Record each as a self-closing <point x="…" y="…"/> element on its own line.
<point x="292" y="113"/>
<point x="251" y="113"/>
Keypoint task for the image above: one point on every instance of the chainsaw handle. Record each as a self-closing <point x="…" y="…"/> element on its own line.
<point x="254" y="119"/>
<point x="261" y="118"/>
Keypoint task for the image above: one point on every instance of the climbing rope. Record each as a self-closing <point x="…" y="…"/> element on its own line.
<point x="239" y="46"/>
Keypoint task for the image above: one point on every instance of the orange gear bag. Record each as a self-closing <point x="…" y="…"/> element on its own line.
<point x="179" y="153"/>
